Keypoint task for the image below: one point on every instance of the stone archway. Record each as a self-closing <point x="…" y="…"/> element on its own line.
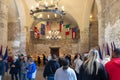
<point x="84" y="32"/>
<point x="100" y="23"/>
<point x="16" y="27"/>
<point x="93" y="27"/>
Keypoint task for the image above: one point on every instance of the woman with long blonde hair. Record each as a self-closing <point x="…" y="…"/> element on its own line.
<point x="92" y="68"/>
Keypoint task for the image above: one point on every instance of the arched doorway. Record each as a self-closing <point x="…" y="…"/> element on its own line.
<point x="54" y="50"/>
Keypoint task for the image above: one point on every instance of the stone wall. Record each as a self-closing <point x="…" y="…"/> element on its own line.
<point x="110" y="16"/>
<point x="14" y="37"/>
<point x="108" y="21"/>
<point x="3" y="23"/>
<point x="84" y="41"/>
<point x="93" y="34"/>
<point x="112" y="33"/>
<point x="65" y="48"/>
<point x="41" y="46"/>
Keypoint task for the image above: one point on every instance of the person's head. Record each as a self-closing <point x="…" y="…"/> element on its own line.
<point x="54" y="56"/>
<point x="21" y="56"/>
<point x="85" y="57"/>
<point x="30" y="60"/>
<point x="116" y="53"/>
<point x="65" y="63"/>
<point x="77" y="56"/>
<point x="25" y="58"/>
<point x="15" y="58"/>
<point x="93" y="56"/>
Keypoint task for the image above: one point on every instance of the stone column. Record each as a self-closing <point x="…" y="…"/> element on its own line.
<point x="3" y="23"/>
<point x="101" y="29"/>
<point x="84" y="41"/>
<point x="23" y="40"/>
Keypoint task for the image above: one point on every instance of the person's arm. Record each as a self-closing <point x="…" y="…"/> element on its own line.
<point x="46" y="71"/>
<point x="33" y="68"/>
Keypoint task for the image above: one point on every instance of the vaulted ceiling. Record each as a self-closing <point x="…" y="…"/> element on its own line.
<point x="78" y="11"/>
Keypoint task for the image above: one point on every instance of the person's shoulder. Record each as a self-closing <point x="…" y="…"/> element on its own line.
<point x="70" y="69"/>
<point x="108" y="64"/>
<point x="59" y="69"/>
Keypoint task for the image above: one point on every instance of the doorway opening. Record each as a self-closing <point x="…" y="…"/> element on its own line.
<point x="54" y="50"/>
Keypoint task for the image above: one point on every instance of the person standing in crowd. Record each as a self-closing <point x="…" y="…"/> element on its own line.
<point x="49" y="57"/>
<point x="24" y="66"/>
<point x="92" y="69"/>
<point x="113" y="66"/>
<point x="51" y="67"/>
<point x="32" y="69"/>
<point x="14" y="68"/>
<point x="44" y="60"/>
<point x="1" y="68"/>
<point x="39" y="60"/>
<point x="20" y="60"/>
<point x="68" y="56"/>
<point x="60" y="61"/>
<point x="77" y="62"/>
<point x="65" y="72"/>
<point x="9" y="60"/>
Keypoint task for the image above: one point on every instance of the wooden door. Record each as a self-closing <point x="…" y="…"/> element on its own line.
<point x="54" y="51"/>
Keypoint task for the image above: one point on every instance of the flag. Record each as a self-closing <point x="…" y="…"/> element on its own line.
<point x="61" y="26"/>
<point x="112" y="49"/>
<point x="35" y="29"/>
<point x="103" y="51"/>
<point x="67" y="32"/>
<point x="100" y="54"/>
<point x="74" y="33"/>
<point x="1" y="51"/>
<point x="107" y="49"/>
<point x="114" y="46"/>
<point x="36" y="33"/>
<point x="5" y="59"/>
<point x="67" y="29"/>
<point x="48" y="25"/>
<point x="68" y="26"/>
<point x="42" y="29"/>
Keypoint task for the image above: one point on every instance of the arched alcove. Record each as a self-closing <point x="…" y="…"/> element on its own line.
<point x="16" y="28"/>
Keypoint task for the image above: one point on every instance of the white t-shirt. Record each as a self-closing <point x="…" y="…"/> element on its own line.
<point x="78" y="63"/>
<point x="68" y="74"/>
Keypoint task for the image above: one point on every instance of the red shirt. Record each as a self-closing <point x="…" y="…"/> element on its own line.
<point x="113" y="69"/>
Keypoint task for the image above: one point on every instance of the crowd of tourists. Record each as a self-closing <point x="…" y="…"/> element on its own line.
<point x="20" y="68"/>
<point x="89" y="67"/>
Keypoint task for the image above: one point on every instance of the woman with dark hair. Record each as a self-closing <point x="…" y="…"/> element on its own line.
<point x="77" y="63"/>
<point x="14" y="68"/>
<point x="65" y="72"/>
<point x="38" y="60"/>
<point x="44" y="60"/>
<point x="92" y="69"/>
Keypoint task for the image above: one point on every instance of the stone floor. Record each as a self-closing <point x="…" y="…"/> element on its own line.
<point x="38" y="76"/>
